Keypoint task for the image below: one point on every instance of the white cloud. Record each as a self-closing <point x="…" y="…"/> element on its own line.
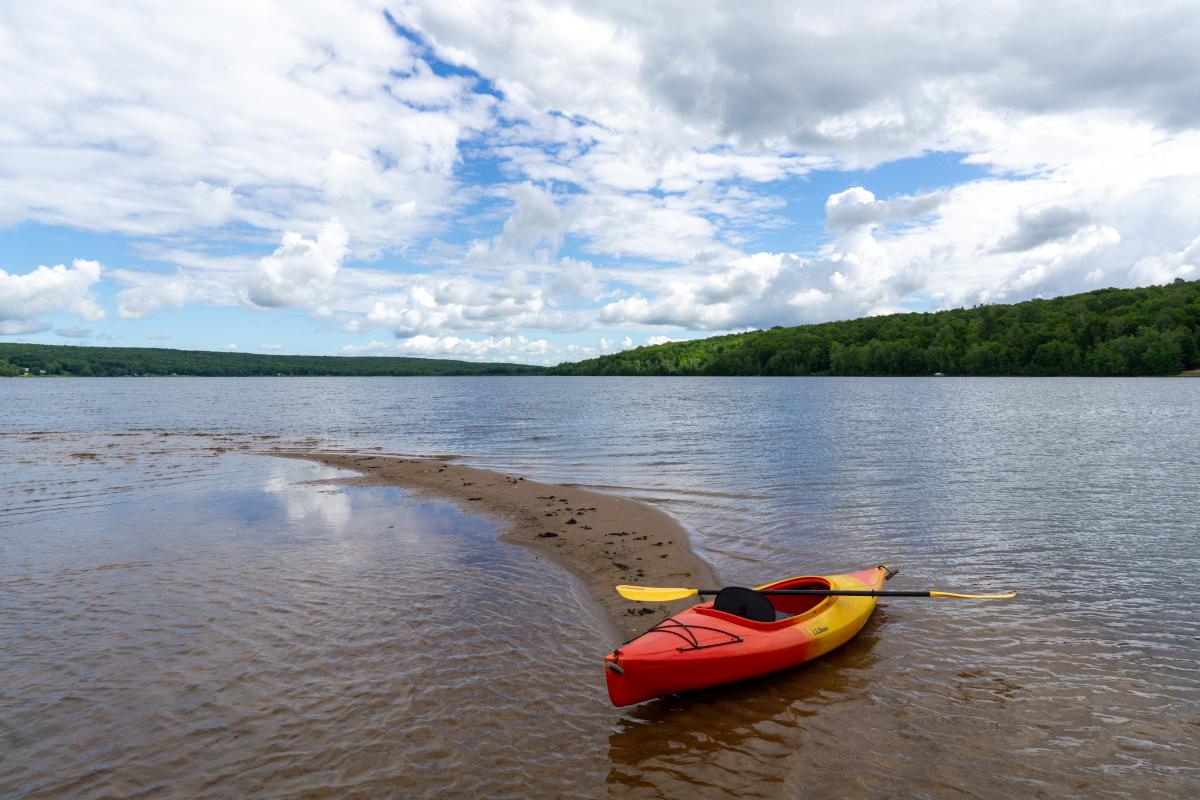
<point x="808" y="298"/>
<point x="271" y="348"/>
<point x="1050" y="224"/>
<point x="609" y="346"/>
<point x="576" y="279"/>
<point x="639" y="146"/>
<point x="756" y="93"/>
<point x="274" y="115"/>
<point x="301" y="271"/>
<point x="18" y="327"/>
<point x="151" y="292"/>
<point x="1166" y="267"/>
<point x="857" y="208"/>
<point x="499" y="305"/>
<point x="508" y="348"/>
<point x="532" y="231"/>
<point x="882" y="261"/>
<point x="48" y="290"/>
<point x="211" y="205"/>
<point x="862" y="83"/>
<point x="1030" y="277"/>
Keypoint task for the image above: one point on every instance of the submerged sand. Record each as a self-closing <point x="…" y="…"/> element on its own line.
<point x="602" y="539"/>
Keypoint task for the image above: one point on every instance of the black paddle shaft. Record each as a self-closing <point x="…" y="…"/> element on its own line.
<point x="828" y="592"/>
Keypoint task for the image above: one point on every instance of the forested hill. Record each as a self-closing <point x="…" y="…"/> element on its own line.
<point x="118" y="361"/>
<point x="1150" y="331"/>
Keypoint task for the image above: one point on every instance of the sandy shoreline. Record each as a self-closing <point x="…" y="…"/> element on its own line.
<point x="600" y="538"/>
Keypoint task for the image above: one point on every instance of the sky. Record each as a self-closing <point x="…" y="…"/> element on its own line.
<point x="540" y="182"/>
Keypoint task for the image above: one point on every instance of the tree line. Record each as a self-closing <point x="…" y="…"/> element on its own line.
<point x="1148" y="331"/>
<point x="37" y="359"/>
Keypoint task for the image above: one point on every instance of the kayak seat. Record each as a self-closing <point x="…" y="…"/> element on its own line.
<point x="745" y="603"/>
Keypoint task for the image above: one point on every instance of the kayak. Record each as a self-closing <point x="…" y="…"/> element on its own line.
<point x="721" y="642"/>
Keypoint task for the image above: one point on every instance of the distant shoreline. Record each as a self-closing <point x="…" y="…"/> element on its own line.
<point x="1153" y="331"/>
<point x="602" y="539"/>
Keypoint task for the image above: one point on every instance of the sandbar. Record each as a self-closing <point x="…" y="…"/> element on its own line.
<point x="602" y="539"/>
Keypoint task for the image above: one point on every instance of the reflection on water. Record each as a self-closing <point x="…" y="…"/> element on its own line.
<point x="748" y="736"/>
<point x="261" y="635"/>
<point x="1080" y="494"/>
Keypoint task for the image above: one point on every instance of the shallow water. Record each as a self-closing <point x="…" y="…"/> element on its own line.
<point x="250" y="634"/>
<point x="1081" y="494"/>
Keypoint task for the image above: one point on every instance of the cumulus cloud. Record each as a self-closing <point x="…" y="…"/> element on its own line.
<point x="650" y="165"/>
<point x="576" y="279"/>
<point x="1038" y="227"/>
<point x="48" y="290"/>
<point x="18" y="327"/>
<point x="856" y="275"/>
<point x="301" y="271"/>
<point x="532" y="231"/>
<point x="857" y="208"/>
<point x="211" y="205"/>
<point x="850" y="80"/>
<point x="1166" y="267"/>
<point x="150" y="292"/>
<point x="507" y="348"/>
<point x="881" y="262"/>
<point x="431" y="306"/>
<point x="313" y="112"/>
<point x="738" y="294"/>
<point x="610" y="346"/>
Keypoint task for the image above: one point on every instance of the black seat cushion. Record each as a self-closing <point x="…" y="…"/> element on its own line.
<point x="745" y="603"/>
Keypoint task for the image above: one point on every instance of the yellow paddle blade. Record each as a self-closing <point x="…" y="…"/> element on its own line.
<point x="653" y="594"/>
<point x="974" y="596"/>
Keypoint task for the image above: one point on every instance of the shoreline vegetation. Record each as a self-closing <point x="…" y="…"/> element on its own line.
<point x="601" y="539"/>
<point x="1151" y="331"/>
<point x="1108" y="332"/>
<point x="47" y="360"/>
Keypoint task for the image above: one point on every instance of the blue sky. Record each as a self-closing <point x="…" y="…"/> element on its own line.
<point x="540" y="182"/>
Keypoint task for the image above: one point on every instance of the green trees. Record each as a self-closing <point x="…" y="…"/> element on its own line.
<point x="145" y="361"/>
<point x="1149" y="331"/>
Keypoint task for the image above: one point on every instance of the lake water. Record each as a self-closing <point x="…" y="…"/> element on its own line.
<point x="182" y="621"/>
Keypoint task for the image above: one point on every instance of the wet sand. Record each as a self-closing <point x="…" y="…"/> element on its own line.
<point x="602" y="539"/>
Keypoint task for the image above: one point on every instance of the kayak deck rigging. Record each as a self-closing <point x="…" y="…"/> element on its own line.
<point x="686" y="631"/>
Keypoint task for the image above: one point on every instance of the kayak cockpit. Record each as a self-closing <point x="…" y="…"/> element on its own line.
<point x="778" y="611"/>
<point x="796" y="604"/>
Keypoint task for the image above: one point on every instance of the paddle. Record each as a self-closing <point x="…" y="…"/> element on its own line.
<point x="655" y="594"/>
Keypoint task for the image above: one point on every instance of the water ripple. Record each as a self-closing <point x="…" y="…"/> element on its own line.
<point x="230" y="644"/>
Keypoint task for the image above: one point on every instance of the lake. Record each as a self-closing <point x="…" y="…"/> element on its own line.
<point x="185" y="621"/>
